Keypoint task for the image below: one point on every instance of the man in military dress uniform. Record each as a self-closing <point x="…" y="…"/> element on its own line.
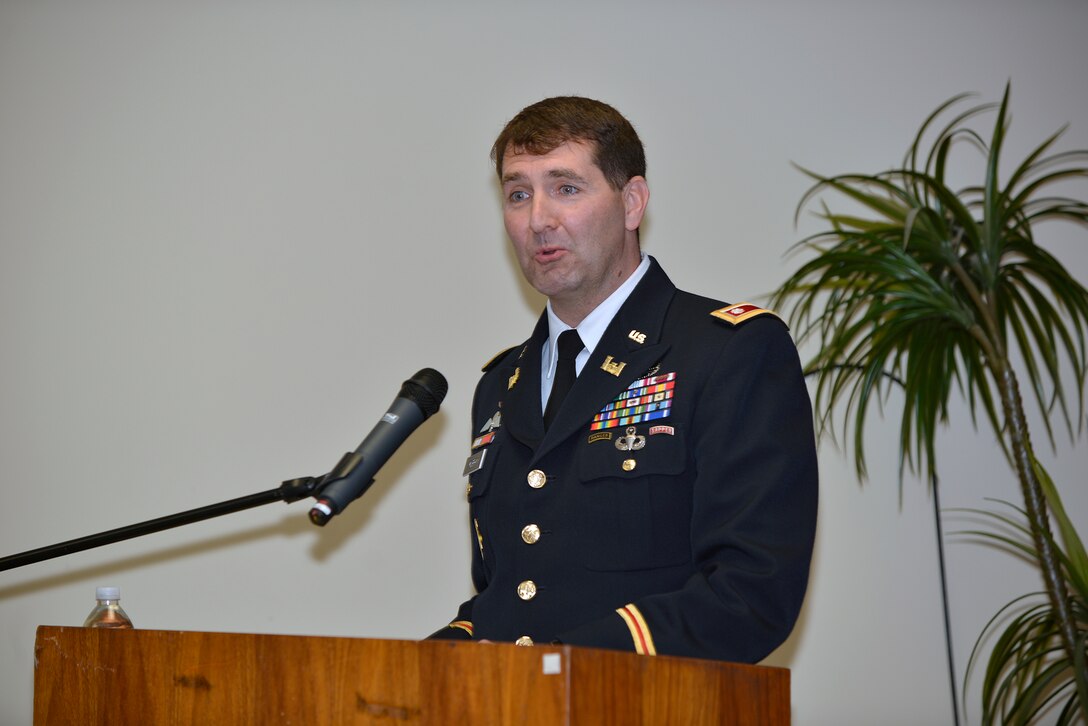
<point x="643" y="471"/>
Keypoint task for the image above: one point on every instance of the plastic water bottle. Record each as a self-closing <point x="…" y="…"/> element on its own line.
<point x="107" y="612"/>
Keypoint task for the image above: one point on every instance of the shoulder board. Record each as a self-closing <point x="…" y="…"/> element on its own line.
<point x="496" y="358"/>
<point x="741" y="312"/>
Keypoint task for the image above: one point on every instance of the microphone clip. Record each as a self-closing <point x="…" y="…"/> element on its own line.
<point x="325" y="509"/>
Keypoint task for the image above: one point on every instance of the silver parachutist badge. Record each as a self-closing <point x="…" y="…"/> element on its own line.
<point x="630" y="442"/>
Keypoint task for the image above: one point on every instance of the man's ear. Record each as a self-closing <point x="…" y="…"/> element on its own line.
<point x="636" y="195"/>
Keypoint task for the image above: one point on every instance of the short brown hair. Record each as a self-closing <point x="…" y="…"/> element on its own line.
<point x="546" y="125"/>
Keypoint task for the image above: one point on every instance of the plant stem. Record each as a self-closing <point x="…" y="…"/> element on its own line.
<point x="990" y="338"/>
<point x="1023" y="456"/>
<point x="1035" y="502"/>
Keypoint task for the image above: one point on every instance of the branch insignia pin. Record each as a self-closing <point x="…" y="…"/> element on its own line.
<point x="613" y="367"/>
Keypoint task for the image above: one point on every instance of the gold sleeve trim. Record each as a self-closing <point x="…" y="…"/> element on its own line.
<point x="640" y="631"/>
<point x="464" y="625"/>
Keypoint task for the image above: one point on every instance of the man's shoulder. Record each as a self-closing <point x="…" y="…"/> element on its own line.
<point x="690" y="309"/>
<point x="736" y="314"/>
<point x="498" y="358"/>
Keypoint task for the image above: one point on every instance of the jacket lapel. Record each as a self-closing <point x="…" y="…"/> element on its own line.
<point x="521" y="412"/>
<point x="639" y="319"/>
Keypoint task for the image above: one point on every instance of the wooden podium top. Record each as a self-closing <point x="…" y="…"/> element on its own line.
<point x="89" y="676"/>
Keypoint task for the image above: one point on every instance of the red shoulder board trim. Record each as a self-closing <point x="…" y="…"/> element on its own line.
<point x="737" y="314"/>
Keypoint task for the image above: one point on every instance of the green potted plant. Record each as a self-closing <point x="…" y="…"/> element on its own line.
<point x="1023" y="677"/>
<point x="936" y="288"/>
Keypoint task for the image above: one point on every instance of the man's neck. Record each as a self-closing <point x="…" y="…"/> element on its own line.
<point x="574" y="311"/>
<point x="591" y="328"/>
<point x="604" y="310"/>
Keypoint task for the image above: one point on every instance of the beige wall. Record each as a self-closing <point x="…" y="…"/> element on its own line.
<point x="228" y="231"/>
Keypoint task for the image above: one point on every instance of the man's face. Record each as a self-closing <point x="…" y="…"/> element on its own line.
<point x="574" y="235"/>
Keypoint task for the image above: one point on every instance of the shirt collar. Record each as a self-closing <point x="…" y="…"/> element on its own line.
<point x="592" y="328"/>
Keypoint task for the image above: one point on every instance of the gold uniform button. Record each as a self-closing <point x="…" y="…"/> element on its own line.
<point x="629" y="464"/>
<point x="530" y="533"/>
<point x="524" y="640"/>
<point x="527" y="590"/>
<point x="537" y="478"/>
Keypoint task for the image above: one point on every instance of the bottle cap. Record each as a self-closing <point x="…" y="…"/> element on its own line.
<point x="107" y="593"/>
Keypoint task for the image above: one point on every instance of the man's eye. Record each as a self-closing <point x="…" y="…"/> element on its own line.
<point x="518" y="196"/>
<point x="568" y="189"/>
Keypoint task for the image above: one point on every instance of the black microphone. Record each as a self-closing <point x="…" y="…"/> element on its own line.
<point x="418" y="399"/>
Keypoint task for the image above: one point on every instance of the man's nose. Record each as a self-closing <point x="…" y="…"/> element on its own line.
<point x="541" y="214"/>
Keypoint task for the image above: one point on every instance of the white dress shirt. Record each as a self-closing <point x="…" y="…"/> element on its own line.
<point x="589" y="330"/>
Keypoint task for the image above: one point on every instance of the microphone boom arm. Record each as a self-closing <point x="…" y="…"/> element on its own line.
<point x="419" y="398"/>
<point x="289" y="491"/>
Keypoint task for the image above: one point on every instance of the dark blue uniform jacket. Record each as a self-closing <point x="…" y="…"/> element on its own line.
<point x="670" y="508"/>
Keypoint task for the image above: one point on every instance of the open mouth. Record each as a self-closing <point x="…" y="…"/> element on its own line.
<point x="549" y="254"/>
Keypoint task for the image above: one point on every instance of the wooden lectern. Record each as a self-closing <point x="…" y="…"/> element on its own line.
<point x="84" y="676"/>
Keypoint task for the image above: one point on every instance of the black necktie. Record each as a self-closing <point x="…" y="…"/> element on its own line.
<point x="570" y="345"/>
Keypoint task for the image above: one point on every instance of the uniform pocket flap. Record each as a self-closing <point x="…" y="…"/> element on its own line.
<point x="633" y="451"/>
